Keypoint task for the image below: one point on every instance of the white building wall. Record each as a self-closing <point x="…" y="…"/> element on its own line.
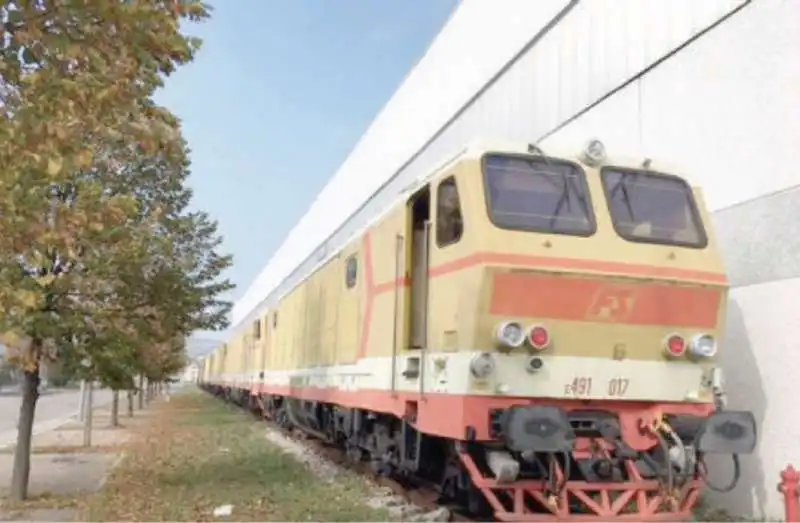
<point x="709" y="86"/>
<point x="727" y="110"/>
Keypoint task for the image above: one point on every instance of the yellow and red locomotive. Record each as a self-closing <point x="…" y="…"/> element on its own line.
<point x="535" y="333"/>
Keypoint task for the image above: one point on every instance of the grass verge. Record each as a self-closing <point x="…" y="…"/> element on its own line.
<point x="198" y="454"/>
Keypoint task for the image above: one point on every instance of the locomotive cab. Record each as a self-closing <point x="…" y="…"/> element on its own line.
<point x="576" y="303"/>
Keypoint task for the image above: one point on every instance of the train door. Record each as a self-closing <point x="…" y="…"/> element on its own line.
<point x="419" y="211"/>
<point x="447" y="310"/>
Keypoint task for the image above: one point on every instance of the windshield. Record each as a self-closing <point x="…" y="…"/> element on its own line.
<point x="652" y="208"/>
<point x="537" y="194"/>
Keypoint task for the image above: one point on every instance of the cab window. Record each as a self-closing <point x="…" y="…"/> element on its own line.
<point x="537" y="194"/>
<point x="652" y="207"/>
<point x="449" y="222"/>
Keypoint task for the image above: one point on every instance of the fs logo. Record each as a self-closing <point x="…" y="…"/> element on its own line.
<point x="612" y="303"/>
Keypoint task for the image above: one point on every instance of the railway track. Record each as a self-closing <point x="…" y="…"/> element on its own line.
<point x="420" y="493"/>
<point x="414" y="491"/>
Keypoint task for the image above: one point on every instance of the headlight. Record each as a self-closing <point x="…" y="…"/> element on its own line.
<point x="703" y="346"/>
<point x="594" y="152"/>
<point x="510" y="334"/>
<point x="482" y="365"/>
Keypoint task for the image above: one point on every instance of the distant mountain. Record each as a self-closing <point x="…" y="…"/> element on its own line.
<point x="197" y="347"/>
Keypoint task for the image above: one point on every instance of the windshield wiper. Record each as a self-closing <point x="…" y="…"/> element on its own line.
<point x="622" y="185"/>
<point x="567" y="185"/>
<point x="564" y="198"/>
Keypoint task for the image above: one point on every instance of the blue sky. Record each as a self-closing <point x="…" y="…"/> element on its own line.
<point x="278" y="96"/>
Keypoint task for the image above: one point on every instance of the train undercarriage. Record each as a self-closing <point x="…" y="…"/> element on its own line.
<point x="581" y="470"/>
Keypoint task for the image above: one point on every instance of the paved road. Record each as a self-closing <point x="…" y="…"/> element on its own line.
<point x="52" y="408"/>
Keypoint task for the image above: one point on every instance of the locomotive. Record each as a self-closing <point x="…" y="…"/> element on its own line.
<point x="535" y="332"/>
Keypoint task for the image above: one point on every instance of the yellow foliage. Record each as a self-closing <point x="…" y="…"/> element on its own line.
<point x="54" y="165"/>
<point x="26" y="298"/>
<point x="11" y="339"/>
<point x="45" y="280"/>
<point x="83" y="159"/>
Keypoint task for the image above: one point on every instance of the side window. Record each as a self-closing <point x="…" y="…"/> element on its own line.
<point x="275" y="320"/>
<point x="449" y="223"/>
<point x="351" y="271"/>
<point x="257" y="329"/>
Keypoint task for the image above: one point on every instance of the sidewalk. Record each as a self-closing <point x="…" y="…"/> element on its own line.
<point x="62" y="470"/>
<point x="52" y="410"/>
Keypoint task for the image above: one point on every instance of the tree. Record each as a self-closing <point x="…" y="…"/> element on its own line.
<point x="76" y="81"/>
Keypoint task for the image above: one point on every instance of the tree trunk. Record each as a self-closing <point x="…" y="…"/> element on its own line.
<point x="115" y="408"/>
<point x="141" y="391"/>
<point x="22" y="452"/>
<point x="130" y="403"/>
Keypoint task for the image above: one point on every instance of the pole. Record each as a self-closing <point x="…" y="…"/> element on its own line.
<point x="87" y="425"/>
<point x="83" y="400"/>
<point x="140" y="392"/>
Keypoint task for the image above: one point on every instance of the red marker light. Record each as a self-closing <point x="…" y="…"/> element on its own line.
<point x="675" y="346"/>
<point x="538" y="337"/>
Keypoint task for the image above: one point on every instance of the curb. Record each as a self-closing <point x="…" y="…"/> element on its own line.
<point x="111" y="469"/>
